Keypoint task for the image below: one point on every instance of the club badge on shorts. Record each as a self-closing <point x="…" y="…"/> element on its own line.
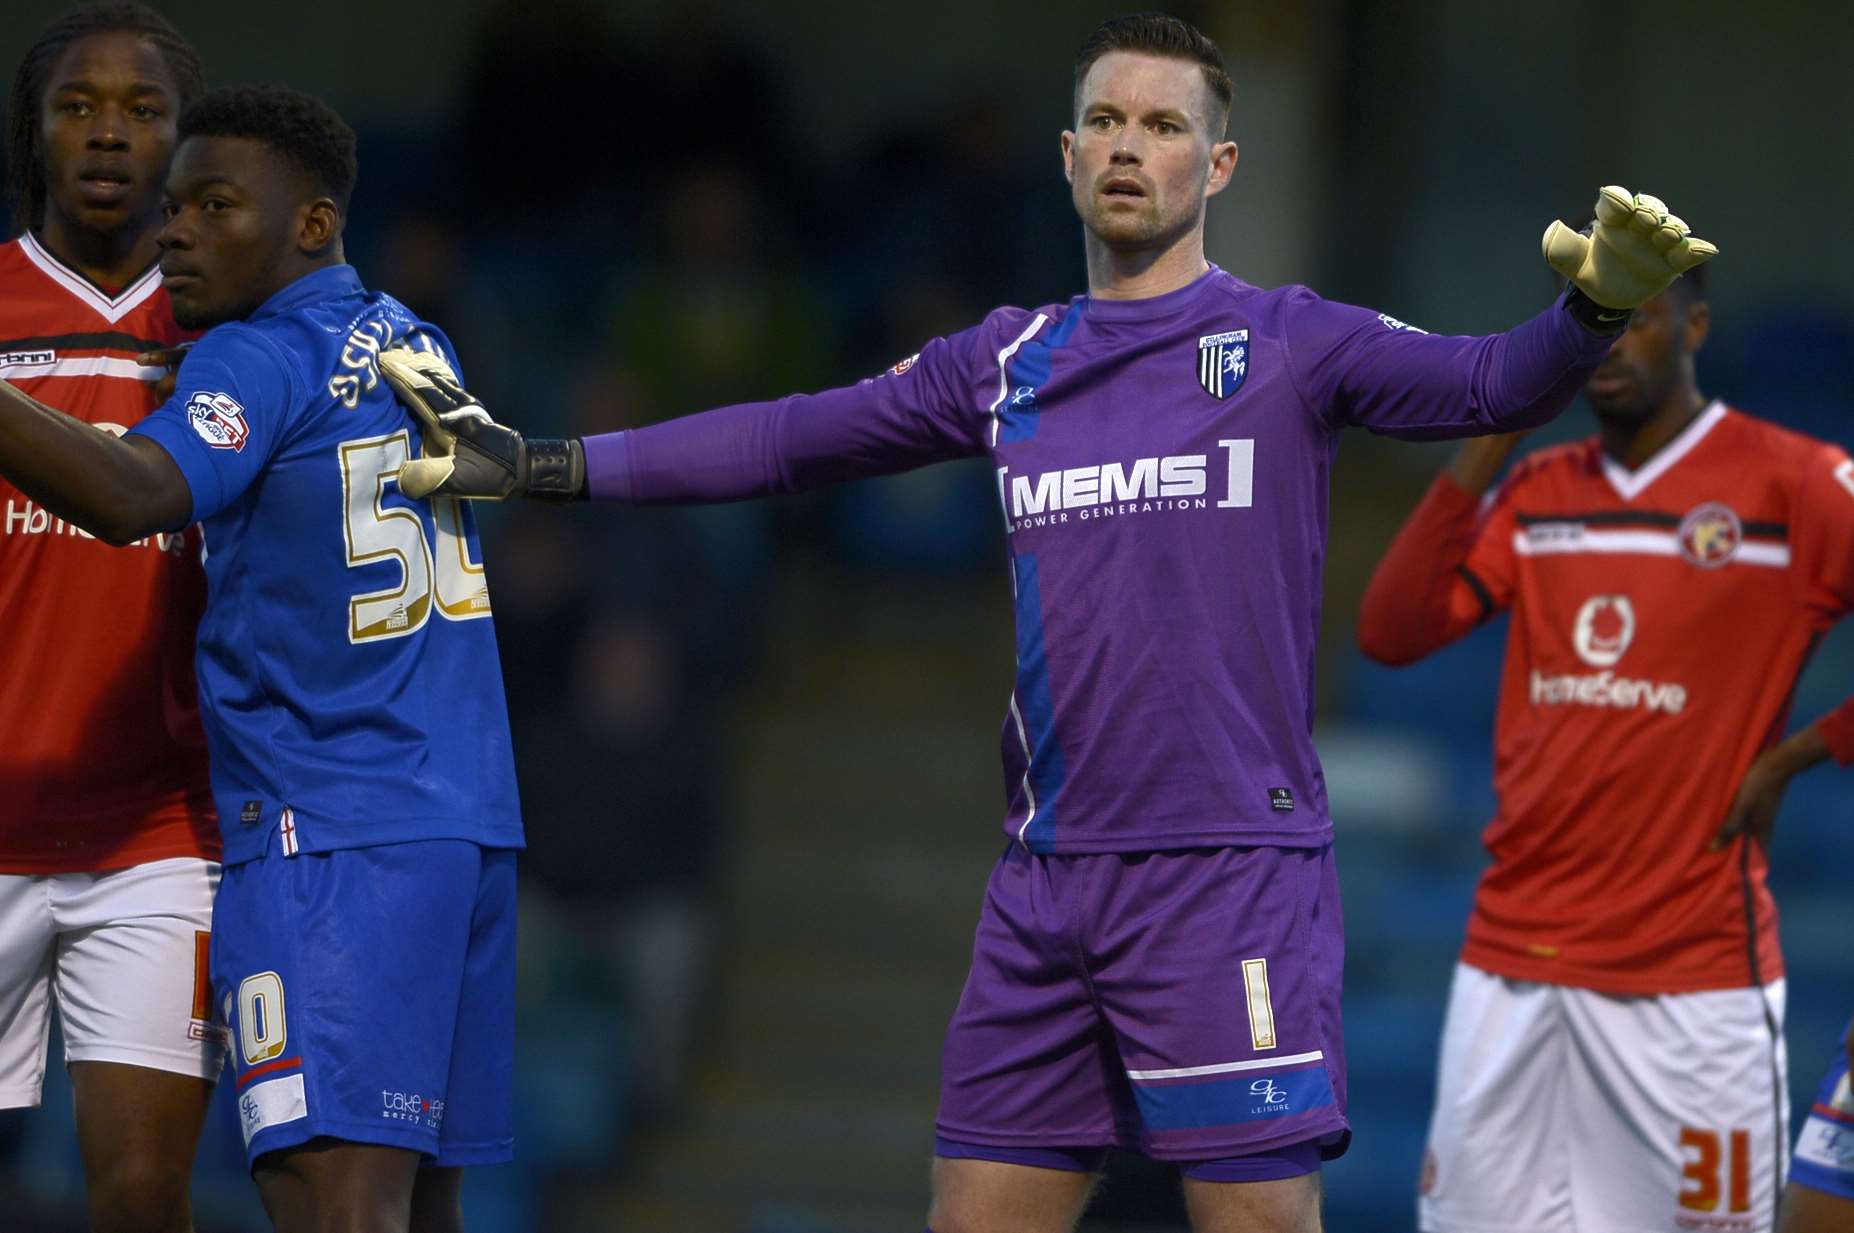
<point x="1223" y="362"/>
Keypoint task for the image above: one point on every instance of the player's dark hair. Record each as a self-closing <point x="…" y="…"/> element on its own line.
<point x="25" y="168"/>
<point x="1160" y="34"/>
<point x="303" y="129"/>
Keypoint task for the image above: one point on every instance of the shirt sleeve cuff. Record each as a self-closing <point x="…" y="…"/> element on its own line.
<point x="1837" y="729"/>
<point x="608" y="466"/>
<point x="163" y="432"/>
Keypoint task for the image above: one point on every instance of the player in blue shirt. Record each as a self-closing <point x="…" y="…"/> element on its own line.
<point x="1820" y="1194"/>
<point x="363" y="941"/>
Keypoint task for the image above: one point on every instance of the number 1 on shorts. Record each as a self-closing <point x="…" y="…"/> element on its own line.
<point x="1261" y="1009"/>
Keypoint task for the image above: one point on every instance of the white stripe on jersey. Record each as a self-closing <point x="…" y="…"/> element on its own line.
<point x="1629" y="483"/>
<point x="1555" y="538"/>
<point x="1029" y="796"/>
<point x="83" y="366"/>
<point x="111" y="310"/>
<point x="1023" y="736"/>
<point x="1004" y="391"/>
<point x="1224" y="1068"/>
<point x="1004" y="380"/>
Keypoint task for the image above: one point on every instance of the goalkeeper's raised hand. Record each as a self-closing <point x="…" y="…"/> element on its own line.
<point x="1635" y="249"/>
<point x="467" y="454"/>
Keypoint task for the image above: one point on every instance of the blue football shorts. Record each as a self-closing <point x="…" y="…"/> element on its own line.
<point x="1824" y="1157"/>
<point x="370" y="996"/>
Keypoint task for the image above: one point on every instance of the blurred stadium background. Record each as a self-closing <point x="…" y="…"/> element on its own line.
<point x="762" y="813"/>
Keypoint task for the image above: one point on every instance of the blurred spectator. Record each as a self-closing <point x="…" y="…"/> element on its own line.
<point x="624" y="641"/>
<point x="948" y="214"/>
<point x="550" y="113"/>
<point x="430" y="269"/>
<point x="722" y="315"/>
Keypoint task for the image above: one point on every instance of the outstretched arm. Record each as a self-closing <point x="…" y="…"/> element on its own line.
<point x="1423" y="596"/>
<point x="1358" y="367"/>
<point x="1424" y="387"/>
<point x="120" y="489"/>
<point x="917" y="413"/>
<point x="762" y="449"/>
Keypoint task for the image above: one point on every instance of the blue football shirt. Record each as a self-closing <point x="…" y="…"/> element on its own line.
<point x="347" y="660"/>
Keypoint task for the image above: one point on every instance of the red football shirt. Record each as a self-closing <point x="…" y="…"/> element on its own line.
<point x="102" y="759"/>
<point x="1660" y="620"/>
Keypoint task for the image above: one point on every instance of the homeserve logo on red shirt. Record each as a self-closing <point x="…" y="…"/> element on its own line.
<point x="1601" y="635"/>
<point x="1143" y="486"/>
<point x="24" y="517"/>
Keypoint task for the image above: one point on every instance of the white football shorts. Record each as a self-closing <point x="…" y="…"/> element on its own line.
<point x="124" y="956"/>
<point x="1562" y="1110"/>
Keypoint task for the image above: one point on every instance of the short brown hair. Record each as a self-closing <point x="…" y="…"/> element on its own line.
<point x="1160" y="34"/>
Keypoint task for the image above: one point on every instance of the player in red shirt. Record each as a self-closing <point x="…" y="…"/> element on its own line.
<point x="1613" y="1056"/>
<point x="108" y="842"/>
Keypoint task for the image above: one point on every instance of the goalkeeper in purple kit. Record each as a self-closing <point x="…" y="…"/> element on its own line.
<point x="1157" y="963"/>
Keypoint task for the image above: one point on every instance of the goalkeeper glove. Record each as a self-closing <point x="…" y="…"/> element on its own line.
<point x="467" y="454"/>
<point x="1634" y="251"/>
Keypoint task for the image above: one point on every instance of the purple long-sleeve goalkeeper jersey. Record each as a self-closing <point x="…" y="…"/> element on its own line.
<point x="1163" y="466"/>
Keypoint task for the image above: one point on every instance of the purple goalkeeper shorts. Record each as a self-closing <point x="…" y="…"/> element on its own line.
<point x="1184" y="1005"/>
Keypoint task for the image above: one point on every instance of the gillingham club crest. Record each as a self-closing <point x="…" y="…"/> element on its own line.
<point x="1222" y="362"/>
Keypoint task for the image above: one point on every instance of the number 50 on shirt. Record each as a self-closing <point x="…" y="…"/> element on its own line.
<point x="435" y="567"/>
